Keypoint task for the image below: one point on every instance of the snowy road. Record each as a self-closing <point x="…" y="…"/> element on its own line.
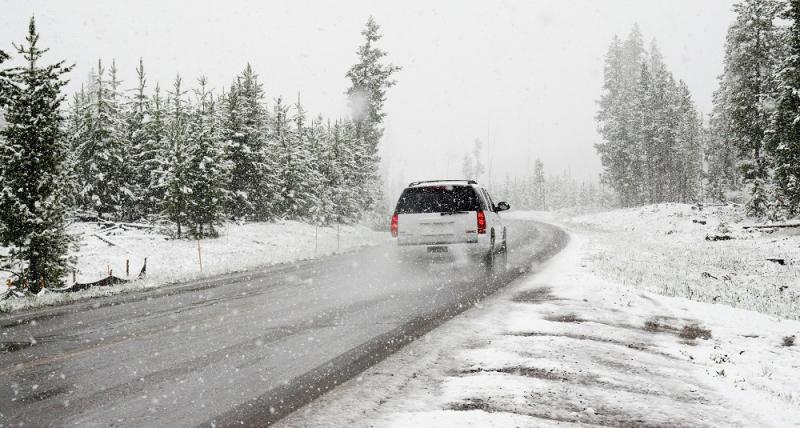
<point x="242" y="348"/>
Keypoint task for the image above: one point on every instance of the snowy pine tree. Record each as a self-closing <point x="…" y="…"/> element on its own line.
<point x="369" y="80"/>
<point x="722" y="175"/>
<point x="74" y="130"/>
<point x="286" y="172"/>
<point x="750" y="60"/>
<point x="688" y="148"/>
<point x="322" y="165"/>
<point x="620" y="150"/>
<point x="177" y="187"/>
<point x="539" y="187"/>
<point x="140" y="154"/>
<point x="101" y="153"/>
<point x="785" y="139"/>
<point x="344" y="184"/>
<point x="152" y="156"/>
<point x="33" y="154"/>
<point x="299" y="173"/>
<point x="206" y="169"/>
<point x="244" y="130"/>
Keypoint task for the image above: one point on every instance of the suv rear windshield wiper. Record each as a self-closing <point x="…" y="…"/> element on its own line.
<point x="454" y="212"/>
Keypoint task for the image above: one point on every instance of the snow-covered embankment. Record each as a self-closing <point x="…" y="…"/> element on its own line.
<point x="239" y="248"/>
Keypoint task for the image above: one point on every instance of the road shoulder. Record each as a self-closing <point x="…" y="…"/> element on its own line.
<point x="566" y="347"/>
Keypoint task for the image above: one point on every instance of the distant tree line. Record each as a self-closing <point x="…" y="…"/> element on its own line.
<point x="535" y="191"/>
<point x="652" y="133"/>
<point x="189" y="156"/>
<point x="753" y="138"/>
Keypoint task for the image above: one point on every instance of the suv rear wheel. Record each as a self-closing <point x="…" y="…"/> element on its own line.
<point x="489" y="259"/>
<point x="501" y="260"/>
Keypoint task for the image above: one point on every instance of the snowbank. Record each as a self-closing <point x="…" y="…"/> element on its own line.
<point x="239" y="248"/>
<point x="705" y="255"/>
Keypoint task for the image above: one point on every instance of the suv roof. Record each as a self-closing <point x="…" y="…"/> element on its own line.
<point x="440" y="182"/>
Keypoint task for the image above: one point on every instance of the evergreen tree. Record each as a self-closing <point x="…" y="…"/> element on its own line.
<point x="244" y="130"/>
<point x="101" y="154"/>
<point x="345" y="194"/>
<point x="539" y="201"/>
<point x="620" y="152"/>
<point x="688" y="151"/>
<point x="74" y="130"/>
<point x="206" y="169"/>
<point x="369" y="80"/>
<point x="750" y="58"/>
<point x="301" y="176"/>
<point x="152" y="157"/>
<point x="322" y="165"/>
<point x="177" y="187"/>
<point x="643" y="153"/>
<point x="136" y="136"/>
<point x="286" y="172"/>
<point x="33" y="153"/>
<point x="660" y="151"/>
<point x="785" y="138"/>
<point x="720" y="155"/>
<point x="121" y="134"/>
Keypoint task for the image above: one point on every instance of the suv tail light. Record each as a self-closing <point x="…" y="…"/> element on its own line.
<point x="481" y="222"/>
<point x="394" y="226"/>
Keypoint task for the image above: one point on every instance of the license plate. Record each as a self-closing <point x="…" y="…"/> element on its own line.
<point x="437" y="249"/>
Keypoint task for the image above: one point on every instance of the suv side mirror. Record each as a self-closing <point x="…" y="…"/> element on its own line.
<point x="502" y="206"/>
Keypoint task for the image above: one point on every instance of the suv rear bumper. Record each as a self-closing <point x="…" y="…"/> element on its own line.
<point x="444" y="250"/>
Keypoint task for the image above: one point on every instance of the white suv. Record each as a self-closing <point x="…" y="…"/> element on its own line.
<point x="454" y="217"/>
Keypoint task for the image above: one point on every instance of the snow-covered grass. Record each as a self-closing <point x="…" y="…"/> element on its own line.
<point x="663" y="248"/>
<point x="239" y="248"/>
<point x="566" y="347"/>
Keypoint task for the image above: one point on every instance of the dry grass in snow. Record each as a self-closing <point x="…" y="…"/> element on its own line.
<point x="664" y="249"/>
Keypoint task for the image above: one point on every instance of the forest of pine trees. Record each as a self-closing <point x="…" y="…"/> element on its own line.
<point x="181" y="154"/>
<point x="754" y="130"/>
<point x="195" y="158"/>
<point x="652" y="133"/>
<point x="655" y="147"/>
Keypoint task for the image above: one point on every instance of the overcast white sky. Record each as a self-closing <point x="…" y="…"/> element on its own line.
<point x="525" y="73"/>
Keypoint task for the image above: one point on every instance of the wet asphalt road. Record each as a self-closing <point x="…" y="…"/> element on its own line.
<point x="245" y="348"/>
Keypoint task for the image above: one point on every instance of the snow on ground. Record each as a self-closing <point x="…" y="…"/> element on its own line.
<point x="566" y="347"/>
<point x="663" y="248"/>
<point x="239" y="248"/>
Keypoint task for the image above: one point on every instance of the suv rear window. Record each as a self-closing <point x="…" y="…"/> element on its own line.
<point x="436" y="199"/>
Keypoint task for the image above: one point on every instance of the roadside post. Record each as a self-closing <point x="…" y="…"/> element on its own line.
<point x="199" y="255"/>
